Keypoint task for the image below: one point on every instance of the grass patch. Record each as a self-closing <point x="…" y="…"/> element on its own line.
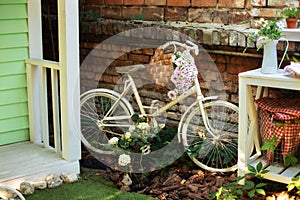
<point x="89" y="187"/>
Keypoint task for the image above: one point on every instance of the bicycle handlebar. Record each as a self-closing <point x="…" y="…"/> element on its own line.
<point x="190" y="45"/>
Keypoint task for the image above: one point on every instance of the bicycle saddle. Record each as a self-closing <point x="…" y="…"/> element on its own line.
<point x="130" y="68"/>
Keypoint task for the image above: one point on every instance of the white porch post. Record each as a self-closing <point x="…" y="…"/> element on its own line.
<point x="68" y="34"/>
<point x="33" y="73"/>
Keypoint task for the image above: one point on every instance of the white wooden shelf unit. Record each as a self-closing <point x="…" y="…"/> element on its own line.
<point x="249" y="135"/>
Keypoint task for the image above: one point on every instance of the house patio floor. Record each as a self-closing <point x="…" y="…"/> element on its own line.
<point x="31" y="162"/>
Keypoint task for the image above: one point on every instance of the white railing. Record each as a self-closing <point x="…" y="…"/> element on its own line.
<point x="38" y="102"/>
<point x="65" y="78"/>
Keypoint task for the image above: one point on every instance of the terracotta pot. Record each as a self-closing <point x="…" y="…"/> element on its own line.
<point x="291" y="22"/>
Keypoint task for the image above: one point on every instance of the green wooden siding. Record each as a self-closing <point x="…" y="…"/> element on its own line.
<point x="12" y="1"/>
<point x="13" y="96"/>
<point x="13" y="110"/>
<point x="14" y="136"/>
<point x="19" y="11"/>
<point x="12" y="82"/>
<point x="13" y="54"/>
<point x="14" y="125"/>
<point x="13" y="26"/>
<point x="14" y="40"/>
<point x="10" y="68"/>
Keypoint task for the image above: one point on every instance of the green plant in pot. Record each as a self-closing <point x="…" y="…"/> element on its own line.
<point x="291" y="16"/>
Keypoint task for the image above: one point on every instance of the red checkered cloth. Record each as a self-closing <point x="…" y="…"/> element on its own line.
<point x="280" y="118"/>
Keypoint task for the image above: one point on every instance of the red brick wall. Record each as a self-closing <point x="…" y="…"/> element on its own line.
<point x="217" y="11"/>
<point x="225" y="45"/>
<point x="224" y="50"/>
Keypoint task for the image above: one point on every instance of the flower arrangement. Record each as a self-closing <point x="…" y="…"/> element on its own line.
<point x="138" y="139"/>
<point x="268" y="31"/>
<point x="184" y="74"/>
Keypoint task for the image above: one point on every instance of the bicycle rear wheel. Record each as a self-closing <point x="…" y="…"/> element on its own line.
<point x="102" y="118"/>
<point x="218" y="151"/>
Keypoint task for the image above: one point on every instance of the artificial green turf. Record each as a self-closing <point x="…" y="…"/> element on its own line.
<point x="89" y="187"/>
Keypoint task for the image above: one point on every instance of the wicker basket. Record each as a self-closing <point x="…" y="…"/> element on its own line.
<point x="161" y="68"/>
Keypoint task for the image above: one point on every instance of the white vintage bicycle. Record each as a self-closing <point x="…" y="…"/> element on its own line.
<point x="208" y="129"/>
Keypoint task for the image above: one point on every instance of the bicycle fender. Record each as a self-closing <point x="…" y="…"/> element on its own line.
<point x="112" y="92"/>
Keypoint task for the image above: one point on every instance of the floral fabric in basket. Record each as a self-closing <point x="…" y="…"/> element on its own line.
<point x="280" y="118"/>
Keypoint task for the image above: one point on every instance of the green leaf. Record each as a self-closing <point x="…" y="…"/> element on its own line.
<point x="252" y="174"/>
<point x="239" y="192"/>
<point x="251" y="193"/>
<point x="260" y="191"/>
<point x="239" y="178"/>
<point x="290" y="186"/>
<point x="259" y="167"/>
<point x="264" y="171"/>
<point x="261" y="185"/>
<point x="250" y="184"/>
<point x="251" y="169"/>
<point x="265" y="147"/>
<point x="135" y="117"/>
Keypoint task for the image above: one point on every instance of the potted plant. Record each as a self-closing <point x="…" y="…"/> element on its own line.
<point x="290" y="14"/>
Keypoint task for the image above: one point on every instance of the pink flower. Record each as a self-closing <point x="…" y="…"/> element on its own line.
<point x="184" y="73"/>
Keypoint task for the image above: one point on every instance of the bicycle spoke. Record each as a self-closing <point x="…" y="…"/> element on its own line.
<point x="96" y="130"/>
<point x="217" y="148"/>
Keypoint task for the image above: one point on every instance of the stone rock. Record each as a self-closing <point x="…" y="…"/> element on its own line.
<point x="53" y="180"/>
<point x="7" y="194"/>
<point x="26" y="188"/>
<point x="126" y="180"/>
<point x="40" y="185"/>
<point x="125" y="183"/>
<point x="69" y="178"/>
<point x="125" y="188"/>
<point x="10" y="193"/>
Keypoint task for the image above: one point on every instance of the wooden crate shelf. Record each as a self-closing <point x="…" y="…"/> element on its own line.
<point x="249" y="134"/>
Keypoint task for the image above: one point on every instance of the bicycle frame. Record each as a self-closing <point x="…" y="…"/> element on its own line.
<point x="130" y="85"/>
<point x="196" y="89"/>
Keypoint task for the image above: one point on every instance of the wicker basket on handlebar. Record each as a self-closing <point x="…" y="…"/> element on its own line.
<point x="161" y="68"/>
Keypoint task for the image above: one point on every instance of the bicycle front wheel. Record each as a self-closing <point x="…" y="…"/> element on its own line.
<point x="213" y="147"/>
<point x="103" y="116"/>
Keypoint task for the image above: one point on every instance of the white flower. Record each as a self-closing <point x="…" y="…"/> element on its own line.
<point x="172" y="95"/>
<point x="143" y="126"/>
<point x="113" y="141"/>
<point x="161" y="126"/>
<point x="127" y="135"/>
<point x="131" y="128"/>
<point x="124" y="160"/>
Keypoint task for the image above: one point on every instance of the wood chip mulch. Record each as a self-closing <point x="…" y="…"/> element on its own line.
<point x="181" y="182"/>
